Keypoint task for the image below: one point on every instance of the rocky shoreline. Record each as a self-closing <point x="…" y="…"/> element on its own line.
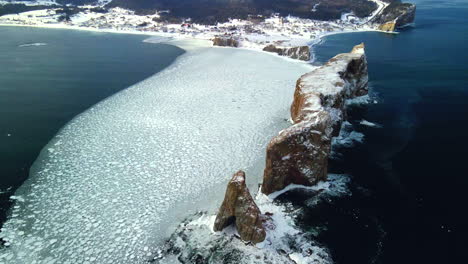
<point x="286" y="36"/>
<point x="390" y="18"/>
<point x="300" y="153"/>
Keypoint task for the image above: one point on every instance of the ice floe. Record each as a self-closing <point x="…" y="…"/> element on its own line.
<point x="118" y="178"/>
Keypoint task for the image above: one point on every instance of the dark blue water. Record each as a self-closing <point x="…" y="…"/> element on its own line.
<point x="44" y="87"/>
<point x="410" y="177"/>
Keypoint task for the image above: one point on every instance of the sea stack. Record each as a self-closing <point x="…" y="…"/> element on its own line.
<point x="299" y="154"/>
<point x="239" y="208"/>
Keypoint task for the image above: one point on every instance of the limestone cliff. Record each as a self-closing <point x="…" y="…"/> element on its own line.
<point x="299" y="154"/>
<point x="299" y="53"/>
<point x="238" y="207"/>
<point x="398" y="14"/>
<point x="225" y="42"/>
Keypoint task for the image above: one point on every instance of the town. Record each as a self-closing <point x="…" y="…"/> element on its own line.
<point x="254" y="32"/>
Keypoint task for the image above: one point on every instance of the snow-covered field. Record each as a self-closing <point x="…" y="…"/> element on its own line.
<point x="29" y="3"/>
<point x="47" y="2"/>
<point x="119" y="177"/>
<point x="282" y="31"/>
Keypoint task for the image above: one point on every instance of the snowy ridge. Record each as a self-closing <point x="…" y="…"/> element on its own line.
<point x="30" y="3"/>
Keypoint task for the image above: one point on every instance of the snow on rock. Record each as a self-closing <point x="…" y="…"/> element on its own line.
<point x="124" y="173"/>
<point x="285" y="242"/>
<point x="239" y="208"/>
<point x="317" y="112"/>
<point x="299" y="53"/>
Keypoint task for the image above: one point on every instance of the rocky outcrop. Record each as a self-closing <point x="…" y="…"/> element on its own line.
<point x="400" y="14"/>
<point x="388" y="27"/>
<point x="299" y="154"/>
<point x="225" y="42"/>
<point x="238" y="207"/>
<point x="298" y="53"/>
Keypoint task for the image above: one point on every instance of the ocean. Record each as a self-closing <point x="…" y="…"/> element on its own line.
<point x="403" y="150"/>
<point x="409" y="172"/>
<point x="48" y="76"/>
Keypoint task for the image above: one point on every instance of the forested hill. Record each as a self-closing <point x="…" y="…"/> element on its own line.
<point x="212" y="11"/>
<point x="219" y="10"/>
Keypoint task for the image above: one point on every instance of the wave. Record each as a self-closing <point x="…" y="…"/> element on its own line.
<point x="369" y="124"/>
<point x="347" y="137"/>
<point x="32" y="44"/>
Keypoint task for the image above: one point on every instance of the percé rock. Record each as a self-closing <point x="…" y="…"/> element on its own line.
<point x="299" y="154"/>
<point x="225" y="42"/>
<point x="239" y="207"/>
<point x="398" y="13"/>
<point x="326" y="88"/>
<point x="298" y="53"/>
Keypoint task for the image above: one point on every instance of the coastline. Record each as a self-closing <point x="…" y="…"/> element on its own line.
<point x="284" y="35"/>
<point x="17" y="168"/>
<point x="180" y="40"/>
<point x="155" y="208"/>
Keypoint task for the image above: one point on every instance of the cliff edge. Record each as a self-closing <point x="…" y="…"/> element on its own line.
<point x="299" y="154"/>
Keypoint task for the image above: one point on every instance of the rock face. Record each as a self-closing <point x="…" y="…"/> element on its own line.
<point x="238" y="207"/>
<point x="225" y="42"/>
<point x="398" y="13"/>
<point x="299" y="53"/>
<point x="299" y="154"/>
<point x="389" y="27"/>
